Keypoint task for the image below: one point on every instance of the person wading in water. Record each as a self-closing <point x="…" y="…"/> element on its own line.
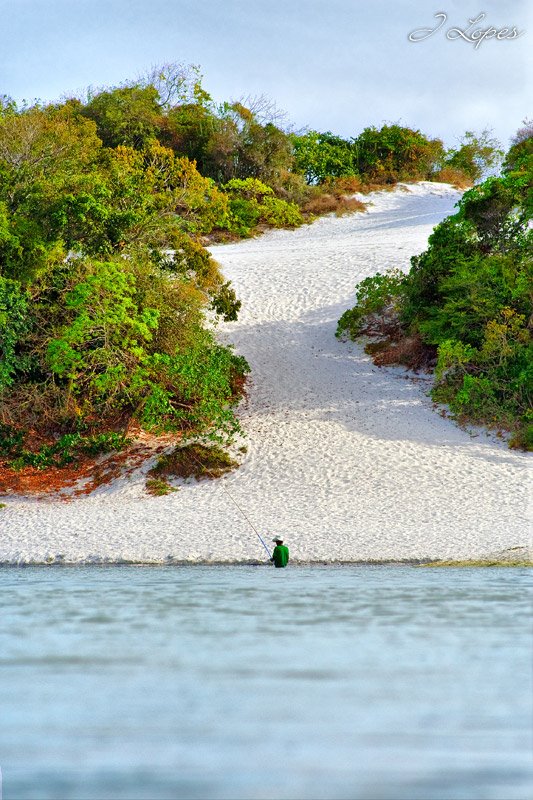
<point x="280" y="554"/>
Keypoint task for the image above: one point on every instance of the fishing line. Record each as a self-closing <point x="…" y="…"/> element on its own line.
<point x="247" y="520"/>
<point x="235" y="503"/>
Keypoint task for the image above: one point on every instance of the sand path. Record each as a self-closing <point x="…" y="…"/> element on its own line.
<point x="346" y="460"/>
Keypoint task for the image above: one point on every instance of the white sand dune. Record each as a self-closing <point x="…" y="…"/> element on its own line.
<point x="345" y="460"/>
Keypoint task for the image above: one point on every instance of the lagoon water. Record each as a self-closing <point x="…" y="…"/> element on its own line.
<point x="356" y="682"/>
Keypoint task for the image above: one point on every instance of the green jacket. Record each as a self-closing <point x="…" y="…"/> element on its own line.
<point x="280" y="555"/>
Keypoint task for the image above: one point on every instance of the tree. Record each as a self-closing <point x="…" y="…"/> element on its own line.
<point x="394" y="153"/>
<point x="45" y="152"/>
<point x="128" y="115"/>
<point x="176" y="84"/>
<point x="476" y="155"/>
<point x="520" y="155"/>
<point x="320" y="156"/>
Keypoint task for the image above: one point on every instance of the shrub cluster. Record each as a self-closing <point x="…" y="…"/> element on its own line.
<point x="393" y="153"/>
<point x="104" y="289"/>
<point x="468" y="297"/>
<point x="252" y="203"/>
<point x="59" y="453"/>
<point x="194" y="460"/>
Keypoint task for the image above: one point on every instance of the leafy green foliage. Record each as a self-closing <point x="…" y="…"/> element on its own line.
<point x="395" y="153"/>
<point x="14" y="323"/>
<point x="225" y="303"/>
<point x="469" y="296"/>
<point x="122" y="337"/>
<point x="227" y="141"/>
<point x="158" y="487"/>
<point x="11" y="440"/>
<point x="387" y="155"/>
<point x="377" y="295"/>
<point x="62" y="452"/>
<point x="128" y="115"/>
<point x="45" y="154"/>
<point x="252" y="203"/>
<point x="194" y="460"/>
<point x="192" y="391"/>
<point x="104" y="291"/>
<point x="323" y="155"/>
<point x="520" y="155"/>
<point x="476" y="155"/>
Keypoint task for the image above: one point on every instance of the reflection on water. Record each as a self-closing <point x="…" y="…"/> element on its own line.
<point x="378" y="683"/>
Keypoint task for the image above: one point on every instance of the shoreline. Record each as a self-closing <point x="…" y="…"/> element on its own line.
<point x="294" y="564"/>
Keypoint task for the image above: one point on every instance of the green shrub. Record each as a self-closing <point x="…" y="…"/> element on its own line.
<point x="245" y="215"/>
<point x="65" y="450"/>
<point x="253" y="203"/>
<point x="194" y="461"/>
<point x="320" y="156"/>
<point x="476" y="155"/>
<point x="103" y="442"/>
<point x="116" y="330"/>
<point x="522" y="439"/>
<point x="469" y="296"/>
<point x="158" y="487"/>
<point x="395" y="153"/>
<point x="279" y="213"/>
<point x="11" y="440"/>
<point x="248" y="189"/>
<point x="378" y="295"/>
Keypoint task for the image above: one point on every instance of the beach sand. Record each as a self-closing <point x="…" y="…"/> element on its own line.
<point x="345" y="460"/>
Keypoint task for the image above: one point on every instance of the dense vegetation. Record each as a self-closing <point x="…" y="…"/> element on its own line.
<point x="465" y="307"/>
<point x="104" y="291"/>
<point x="107" y="293"/>
<point x="394" y="153"/>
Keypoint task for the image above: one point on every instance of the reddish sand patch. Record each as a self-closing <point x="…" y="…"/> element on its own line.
<point x="86" y="474"/>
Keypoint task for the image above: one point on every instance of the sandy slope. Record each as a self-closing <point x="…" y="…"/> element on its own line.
<point x="347" y="461"/>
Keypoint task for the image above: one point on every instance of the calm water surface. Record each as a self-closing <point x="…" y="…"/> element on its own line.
<point x="364" y="683"/>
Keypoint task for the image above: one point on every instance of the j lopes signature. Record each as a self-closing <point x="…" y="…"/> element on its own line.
<point x="469" y="34"/>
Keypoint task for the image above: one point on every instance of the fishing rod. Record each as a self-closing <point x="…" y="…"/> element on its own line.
<point x="235" y="503"/>
<point x="247" y="520"/>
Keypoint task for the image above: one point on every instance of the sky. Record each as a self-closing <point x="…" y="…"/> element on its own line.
<point x="338" y="65"/>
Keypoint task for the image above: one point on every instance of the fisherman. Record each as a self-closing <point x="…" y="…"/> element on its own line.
<point x="280" y="554"/>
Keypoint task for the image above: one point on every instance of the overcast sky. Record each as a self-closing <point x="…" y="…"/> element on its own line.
<point x="337" y="65"/>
